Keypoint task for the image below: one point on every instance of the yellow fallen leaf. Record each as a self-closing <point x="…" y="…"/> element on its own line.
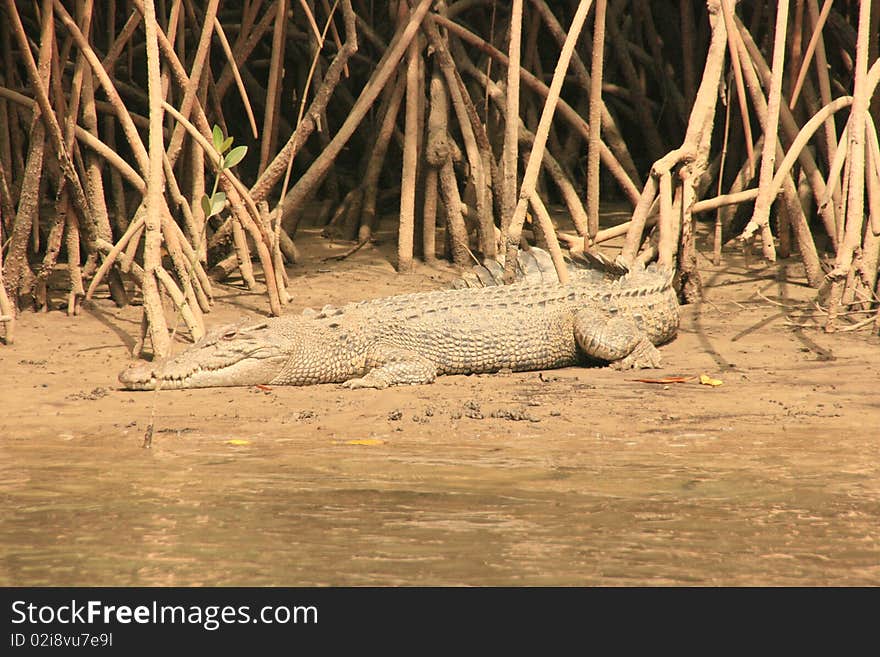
<point x="365" y="441"/>
<point x="237" y="442"/>
<point x="709" y="381"/>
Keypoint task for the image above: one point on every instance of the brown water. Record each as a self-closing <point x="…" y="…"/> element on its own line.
<point x="197" y="510"/>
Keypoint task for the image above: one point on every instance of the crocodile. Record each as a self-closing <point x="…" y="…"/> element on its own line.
<point x="413" y="338"/>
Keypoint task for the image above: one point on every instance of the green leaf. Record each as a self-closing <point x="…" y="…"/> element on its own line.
<point x="226" y="144"/>
<point x="234" y="156"/>
<point x="206" y="205"/>
<point x="218" y="202"/>
<point x="217" y="137"/>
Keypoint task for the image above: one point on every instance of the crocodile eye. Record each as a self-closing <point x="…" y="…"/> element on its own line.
<point x="229" y="335"/>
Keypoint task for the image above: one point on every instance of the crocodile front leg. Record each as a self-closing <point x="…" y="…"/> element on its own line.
<point x="394" y="366"/>
<point x="617" y="340"/>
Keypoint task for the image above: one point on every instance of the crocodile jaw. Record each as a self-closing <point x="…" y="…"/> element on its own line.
<point x="231" y="356"/>
<point x="171" y="376"/>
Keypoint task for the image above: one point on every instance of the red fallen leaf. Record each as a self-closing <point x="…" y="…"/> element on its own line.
<point x="262" y="387"/>
<point x="668" y="379"/>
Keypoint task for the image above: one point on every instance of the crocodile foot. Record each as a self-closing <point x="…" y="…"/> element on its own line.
<point x="644" y="356"/>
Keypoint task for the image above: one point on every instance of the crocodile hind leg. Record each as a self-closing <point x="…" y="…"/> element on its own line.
<point x="617" y="340"/>
<point x="393" y="366"/>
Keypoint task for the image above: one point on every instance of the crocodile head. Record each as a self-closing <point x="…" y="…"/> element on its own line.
<point x="234" y="355"/>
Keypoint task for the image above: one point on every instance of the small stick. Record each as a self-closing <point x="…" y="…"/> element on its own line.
<point x="569" y="194"/>
<point x="224" y="268"/>
<point x="861" y="324"/>
<point x="127" y="263"/>
<point x="310" y="18"/>
<point x="333" y="31"/>
<point x="796" y="46"/>
<point x="120" y="40"/>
